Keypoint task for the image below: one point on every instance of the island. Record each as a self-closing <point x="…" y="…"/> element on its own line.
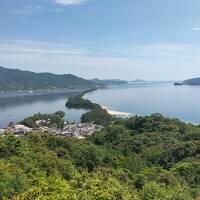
<point x="192" y="82"/>
<point x="178" y="84"/>
<point x="139" y="81"/>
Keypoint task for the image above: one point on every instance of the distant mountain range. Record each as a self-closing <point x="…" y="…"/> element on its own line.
<point x="14" y="79"/>
<point x="139" y="81"/>
<point x="192" y="82"/>
<point x="109" y="81"/>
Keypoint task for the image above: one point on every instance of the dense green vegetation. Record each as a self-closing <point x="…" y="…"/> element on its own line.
<point x="141" y="158"/>
<point x="50" y="120"/>
<point x="13" y="79"/>
<point x="97" y="114"/>
<point x="78" y="102"/>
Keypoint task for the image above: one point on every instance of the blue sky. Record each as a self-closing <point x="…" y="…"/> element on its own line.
<point x="127" y="39"/>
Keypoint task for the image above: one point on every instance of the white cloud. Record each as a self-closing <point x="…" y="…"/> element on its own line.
<point x="18" y="47"/>
<point x="162" y="50"/>
<point x="197" y="28"/>
<point x="28" y="11"/>
<point x="156" y="61"/>
<point x="70" y="2"/>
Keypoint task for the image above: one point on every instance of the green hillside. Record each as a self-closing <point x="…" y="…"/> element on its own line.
<point x="142" y="158"/>
<point x="14" y="79"/>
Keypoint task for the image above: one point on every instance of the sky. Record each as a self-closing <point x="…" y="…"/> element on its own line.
<point x="126" y="39"/>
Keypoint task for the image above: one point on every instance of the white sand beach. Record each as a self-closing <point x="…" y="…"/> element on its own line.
<point x="116" y="113"/>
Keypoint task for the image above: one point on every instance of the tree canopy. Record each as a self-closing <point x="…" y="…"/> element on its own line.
<point x="141" y="158"/>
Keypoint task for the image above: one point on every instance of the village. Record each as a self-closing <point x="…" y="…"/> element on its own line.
<point x="69" y="129"/>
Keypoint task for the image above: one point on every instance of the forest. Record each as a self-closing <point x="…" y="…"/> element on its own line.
<point x="141" y="158"/>
<point x="50" y="120"/>
<point x="15" y="79"/>
<point x="95" y="113"/>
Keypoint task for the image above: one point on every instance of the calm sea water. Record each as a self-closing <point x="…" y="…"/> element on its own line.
<point x="16" y="109"/>
<point x="181" y="102"/>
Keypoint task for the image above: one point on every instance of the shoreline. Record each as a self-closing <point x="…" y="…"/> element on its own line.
<point x="116" y="113"/>
<point x="111" y="112"/>
<point x="12" y="94"/>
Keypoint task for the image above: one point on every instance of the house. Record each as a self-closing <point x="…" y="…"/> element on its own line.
<point x="38" y="122"/>
<point x="19" y="127"/>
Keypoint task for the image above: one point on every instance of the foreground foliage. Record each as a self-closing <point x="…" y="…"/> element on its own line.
<point x="142" y="158"/>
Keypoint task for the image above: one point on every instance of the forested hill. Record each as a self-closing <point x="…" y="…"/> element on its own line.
<point x="14" y="79"/>
<point x="194" y="81"/>
<point x="141" y="158"/>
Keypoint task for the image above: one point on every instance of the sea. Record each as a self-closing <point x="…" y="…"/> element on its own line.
<point x="145" y="98"/>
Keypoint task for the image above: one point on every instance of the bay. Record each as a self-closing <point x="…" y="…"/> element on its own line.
<point x="15" y="109"/>
<point x="181" y="102"/>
